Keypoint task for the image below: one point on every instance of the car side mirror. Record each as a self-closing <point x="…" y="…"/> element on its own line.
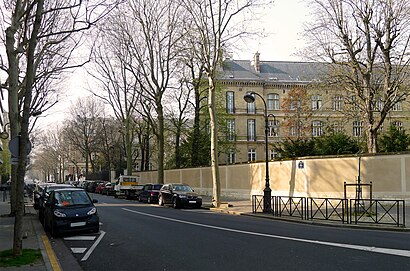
<point x="95" y="200"/>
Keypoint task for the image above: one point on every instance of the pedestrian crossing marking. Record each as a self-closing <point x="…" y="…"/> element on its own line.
<point x="78" y="250"/>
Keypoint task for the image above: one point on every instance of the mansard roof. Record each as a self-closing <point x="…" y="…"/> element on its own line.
<point x="272" y="71"/>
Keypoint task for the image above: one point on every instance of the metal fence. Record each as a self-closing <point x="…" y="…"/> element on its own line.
<point x="363" y="211"/>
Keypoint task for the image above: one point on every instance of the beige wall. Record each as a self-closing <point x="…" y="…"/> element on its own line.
<point x="319" y="177"/>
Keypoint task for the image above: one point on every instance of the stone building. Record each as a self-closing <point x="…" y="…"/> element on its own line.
<point x="276" y="81"/>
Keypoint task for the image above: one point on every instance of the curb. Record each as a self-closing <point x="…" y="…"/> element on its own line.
<point x="41" y="242"/>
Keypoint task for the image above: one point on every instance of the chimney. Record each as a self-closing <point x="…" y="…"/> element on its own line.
<point x="256" y="62"/>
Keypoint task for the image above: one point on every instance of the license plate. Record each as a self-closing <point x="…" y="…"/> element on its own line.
<point x="192" y="201"/>
<point x="77" y="224"/>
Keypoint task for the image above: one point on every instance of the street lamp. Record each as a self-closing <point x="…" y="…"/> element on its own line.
<point x="267" y="192"/>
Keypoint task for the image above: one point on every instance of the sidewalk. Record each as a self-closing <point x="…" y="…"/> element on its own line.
<point x="32" y="232"/>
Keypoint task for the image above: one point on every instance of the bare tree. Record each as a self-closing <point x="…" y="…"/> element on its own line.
<point x="179" y="116"/>
<point x="153" y="29"/>
<point x="118" y="87"/>
<point x="83" y="131"/>
<point x="296" y="106"/>
<point x="367" y="43"/>
<point x="34" y="35"/>
<point x="212" y="25"/>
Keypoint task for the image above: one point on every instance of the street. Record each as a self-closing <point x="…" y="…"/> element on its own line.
<point x="137" y="236"/>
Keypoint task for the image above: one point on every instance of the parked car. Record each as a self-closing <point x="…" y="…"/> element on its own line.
<point x="38" y="191"/>
<point x="109" y="189"/>
<point x="44" y="196"/>
<point x="70" y="210"/>
<point x="90" y="186"/>
<point x="179" y="195"/>
<point x="150" y="193"/>
<point x="100" y="187"/>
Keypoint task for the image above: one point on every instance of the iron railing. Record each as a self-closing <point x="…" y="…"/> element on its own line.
<point x="332" y="209"/>
<point x="366" y="211"/>
<point x="385" y="212"/>
<point x="291" y="206"/>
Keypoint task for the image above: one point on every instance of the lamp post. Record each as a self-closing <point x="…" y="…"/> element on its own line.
<point x="267" y="192"/>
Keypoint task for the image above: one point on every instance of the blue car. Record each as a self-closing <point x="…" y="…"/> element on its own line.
<point x="70" y="210"/>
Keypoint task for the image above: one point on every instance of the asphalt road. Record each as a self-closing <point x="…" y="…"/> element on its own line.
<point x="137" y="236"/>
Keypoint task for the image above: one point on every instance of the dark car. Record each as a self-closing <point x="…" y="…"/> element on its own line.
<point x="108" y="189"/>
<point x="70" y="210"/>
<point x="90" y="186"/>
<point x="179" y="195"/>
<point x="150" y="193"/>
<point x="44" y="196"/>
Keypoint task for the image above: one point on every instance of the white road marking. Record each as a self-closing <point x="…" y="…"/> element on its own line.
<point x="102" y="233"/>
<point x="80" y="238"/>
<point x="396" y="252"/>
<point x="78" y="250"/>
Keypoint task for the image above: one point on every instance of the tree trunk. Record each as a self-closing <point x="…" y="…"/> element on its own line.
<point x="177" y="147"/>
<point x="372" y="141"/>
<point x="147" y="152"/>
<point x="13" y="74"/>
<point x="128" y="146"/>
<point x="160" y="137"/>
<point x="216" y="191"/>
<point x="196" y="133"/>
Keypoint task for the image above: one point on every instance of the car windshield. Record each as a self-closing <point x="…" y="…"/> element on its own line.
<point x="53" y="187"/>
<point x="183" y="188"/>
<point x="71" y="198"/>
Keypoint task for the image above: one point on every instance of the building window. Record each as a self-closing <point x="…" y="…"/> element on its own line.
<point x="337" y="103"/>
<point x="379" y="104"/>
<point x="250" y="107"/>
<point x="337" y="127"/>
<point x="230" y="102"/>
<point x="317" y="129"/>
<point x="231" y="158"/>
<point x="251" y="130"/>
<point x="251" y="155"/>
<point x="296" y="129"/>
<point x="273" y="154"/>
<point x="316" y="102"/>
<point x="397" y="106"/>
<point x="273" y="128"/>
<point x="273" y="101"/>
<point x="357" y="128"/>
<point x="231" y="130"/>
<point x="398" y="125"/>
<point x="294" y="104"/>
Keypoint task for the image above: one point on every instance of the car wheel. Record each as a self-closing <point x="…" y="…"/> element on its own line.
<point x="175" y="203"/>
<point x="160" y="202"/>
<point x="149" y="200"/>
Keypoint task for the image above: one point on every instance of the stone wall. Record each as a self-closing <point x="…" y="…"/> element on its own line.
<point x="311" y="177"/>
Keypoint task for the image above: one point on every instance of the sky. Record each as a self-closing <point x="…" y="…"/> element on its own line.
<point x="283" y="23"/>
